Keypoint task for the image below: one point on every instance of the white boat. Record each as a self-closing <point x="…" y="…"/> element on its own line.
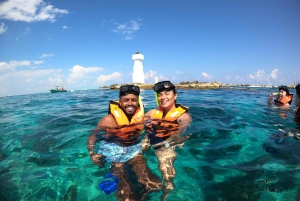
<point x="255" y="86"/>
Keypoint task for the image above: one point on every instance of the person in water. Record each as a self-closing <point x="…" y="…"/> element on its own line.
<point x="121" y="144"/>
<point x="164" y="125"/>
<point x="284" y="97"/>
<point x="297" y="103"/>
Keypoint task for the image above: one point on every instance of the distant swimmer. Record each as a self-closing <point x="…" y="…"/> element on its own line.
<point x="297" y="103"/>
<point x="284" y="97"/>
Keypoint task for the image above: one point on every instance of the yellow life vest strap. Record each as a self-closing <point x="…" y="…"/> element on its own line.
<point x="171" y="115"/>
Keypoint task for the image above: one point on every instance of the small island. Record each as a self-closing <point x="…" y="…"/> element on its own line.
<point x="181" y="85"/>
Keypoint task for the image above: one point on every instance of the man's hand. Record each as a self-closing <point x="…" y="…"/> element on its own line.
<point x="145" y="143"/>
<point x="98" y="159"/>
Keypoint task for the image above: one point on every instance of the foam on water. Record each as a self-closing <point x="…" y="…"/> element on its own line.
<point x="237" y="150"/>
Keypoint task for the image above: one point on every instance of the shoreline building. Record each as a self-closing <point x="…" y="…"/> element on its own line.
<point x="138" y="71"/>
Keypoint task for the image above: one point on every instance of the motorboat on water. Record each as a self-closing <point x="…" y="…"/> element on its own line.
<point x="58" y="89"/>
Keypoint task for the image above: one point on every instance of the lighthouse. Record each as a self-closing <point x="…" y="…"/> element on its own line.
<point x="138" y="72"/>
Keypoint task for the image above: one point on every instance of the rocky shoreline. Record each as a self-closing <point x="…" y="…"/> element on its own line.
<point x="181" y="85"/>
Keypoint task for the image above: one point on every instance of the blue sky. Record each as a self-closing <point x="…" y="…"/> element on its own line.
<point x="87" y="44"/>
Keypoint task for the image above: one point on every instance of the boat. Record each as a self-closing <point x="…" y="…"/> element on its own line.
<point x="254" y="86"/>
<point x="58" y="89"/>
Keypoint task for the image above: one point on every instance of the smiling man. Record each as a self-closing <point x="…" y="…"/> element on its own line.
<point x="120" y="143"/>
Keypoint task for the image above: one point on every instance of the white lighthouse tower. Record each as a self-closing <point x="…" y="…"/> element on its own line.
<point x="138" y="72"/>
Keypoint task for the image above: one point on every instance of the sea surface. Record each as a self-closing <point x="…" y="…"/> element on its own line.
<point x="238" y="149"/>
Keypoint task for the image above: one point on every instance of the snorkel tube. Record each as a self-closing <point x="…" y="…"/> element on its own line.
<point x="141" y="106"/>
<point x="155" y="94"/>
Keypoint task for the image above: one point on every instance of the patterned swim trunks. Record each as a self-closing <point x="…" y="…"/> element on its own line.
<point x="117" y="153"/>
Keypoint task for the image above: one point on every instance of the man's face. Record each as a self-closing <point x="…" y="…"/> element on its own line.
<point x="129" y="104"/>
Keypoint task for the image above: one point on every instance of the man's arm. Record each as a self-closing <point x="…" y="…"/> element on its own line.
<point x="98" y="159"/>
<point x="106" y="121"/>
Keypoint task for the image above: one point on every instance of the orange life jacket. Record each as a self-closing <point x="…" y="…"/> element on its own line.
<point x="288" y="99"/>
<point x="121" y="117"/>
<point x="127" y="131"/>
<point x="171" y="115"/>
<point x="168" y="125"/>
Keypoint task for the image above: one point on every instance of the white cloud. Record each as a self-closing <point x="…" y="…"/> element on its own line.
<point x="259" y="75"/>
<point x="274" y="73"/>
<point x="104" y="78"/>
<point x="12" y="65"/>
<point x="150" y="75"/>
<point x="65" y="27"/>
<point x="3" y="28"/>
<point x="179" y="72"/>
<point x="78" y="73"/>
<point x="29" y="11"/>
<point x="46" y="55"/>
<point x="37" y="62"/>
<point x="162" y="78"/>
<point x="206" y="75"/>
<point x="128" y="29"/>
<point x="27" y="81"/>
<point x="55" y="81"/>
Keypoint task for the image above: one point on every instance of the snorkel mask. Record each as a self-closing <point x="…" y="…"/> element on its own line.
<point x="164" y="86"/>
<point x="129" y="89"/>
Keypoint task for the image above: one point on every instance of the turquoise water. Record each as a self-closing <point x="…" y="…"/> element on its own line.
<point x="236" y="151"/>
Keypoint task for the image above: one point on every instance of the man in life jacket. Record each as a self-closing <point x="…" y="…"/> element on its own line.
<point x="284" y="97"/>
<point x="165" y="125"/>
<point x="120" y="143"/>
